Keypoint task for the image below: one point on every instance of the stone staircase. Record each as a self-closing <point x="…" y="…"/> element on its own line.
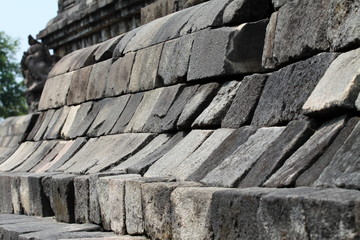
<point x="225" y="120"/>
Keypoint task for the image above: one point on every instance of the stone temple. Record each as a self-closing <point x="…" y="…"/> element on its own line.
<point x="185" y="119"/>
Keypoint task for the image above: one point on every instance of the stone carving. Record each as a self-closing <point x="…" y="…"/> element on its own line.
<point x="36" y="63"/>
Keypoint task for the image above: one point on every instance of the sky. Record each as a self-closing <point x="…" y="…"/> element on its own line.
<point x="19" y="18"/>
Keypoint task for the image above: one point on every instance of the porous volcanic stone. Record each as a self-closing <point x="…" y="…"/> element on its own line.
<point x="279" y="3"/>
<point x="243" y="106"/>
<point x="79" y="82"/>
<point x="229" y="172"/>
<point x="178" y="154"/>
<point x="120" y="47"/>
<point x="119" y="76"/>
<point x="285" y="91"/>
<point x="56" y="123"/>
<point x="306" y="155"/>
<point x="36" y="127"/>
<point x="70" y="120"/>
<point x="44" y="125"/>
<point x="294" y="136"/>
<point x="215" y="112"/>
<point x="268" y="59"/>
<point x="5" y="191"/>
<point x="85" y="58"/>
<point x="105" y="50"/>
<point x="146" y="60"/>
<point x="81" y="195"/>
<point x="229" y="51"/>
<point x="97" y="80"/>
<point x="338" y="88"/>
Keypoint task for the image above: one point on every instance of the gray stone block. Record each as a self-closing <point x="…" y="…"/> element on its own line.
<point x="36" y="126"/>
<point x="70" y="120"/>
<point x="119" y="75"/>
<point x="105" y="50"/>
<point x="244" y="103"/>
<point x="81" y="195"/>
<point x="146" y="60"/>
<point x="120" y="47"/>
<point x="64" y="64"/>
<point x="164" y="166"/>
<point x="44" y="125"/>
<point x="279" y="3"/>
<point x="85" y="58"/>
<point x="230" y="171"/>
<point x="77" y="115"/>
<point x="193" y="108"/>
<point x="285" y="91"/>
<point x="97" y="80"/>
<point x="56" y="123"/>
<point x="157" y="10"/>
<point x="5" y="191"/>
<point x="79" y="82"/>
<point x="306" y="155"/>
<point x="215" y="112"/>
<point x="128" y="113"/>
<point x="268" y="59"/>
<point x="232" y="55"/>
<point x="339" y="88"/>
<point x="49" y="157"/>
<point x="294" y="136"/>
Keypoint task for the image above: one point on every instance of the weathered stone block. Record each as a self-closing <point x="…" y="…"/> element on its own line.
<point x="268" y="59"/>
<point x="229" y="51"/>
<point x="5" y="191"/>
<point x="285" y="91"/>
<point x="81" y="195"/>
<point x="234" y="167"/>
<point x="44" y="125"/>
<point x="70" y="120"/>
<point x="119" y="50"/>
<point x="79" y="82"/>
<point x="105" y="50"/>
<point x="97" y="80"/>
<point x="279" y="3"/>
<point x="157" y="9"/>
<point x="56" y="123"/>
<point x="36" y="126"/>
<point x="339" y="87"/>
<point x="64" y="64"/>
<point x="84" y="58"/>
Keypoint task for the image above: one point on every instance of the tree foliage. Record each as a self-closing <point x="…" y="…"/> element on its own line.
<point x="12" y="93"/>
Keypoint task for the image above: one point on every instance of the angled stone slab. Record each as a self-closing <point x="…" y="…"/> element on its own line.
<point x="164" y="166"/>
<point x="128" y="113"/>
<point x="64" y="64"/>
<point x="308" y="177"/>
<point x="44" y="125"/>
<point x="193" y="108"/>
<point x="107" y="116"/>
<point x="120" y="47"/>
<point x="6" y="205"/>
<point x="79" y="82"/>
<point x="81" y="195"/>
<point x="97" y="80"/>
<point x="279" y="3"/>
<point x="55" y="91"/>
<point x="294" y="136"/>
<point x="70" y="119"/>
<point x="243" y="106"/>
<point x="215" y="112"/>
<point x="268" y="60"/>
<point x="344" y="164"/>
<point x="161" y="108"/>
<point x="36" y="126"/>
<point x="119" y="75"/>
<point x="56" y="123"/>
<point x="339" y="88"/>
<point x="85" y="58"/>
<point x="229" y="172"/>
<point x="146" y="60"/>
<point x="307" y="154"/>
<point x="285" y="91"/>
<point x="143" y="110"/>
<point x="158" y="208"/>
<point x="140" y="162"/>
<point x="157" y="9"/>
<point x="232" y="56"/>
<point x="105" y="50"/>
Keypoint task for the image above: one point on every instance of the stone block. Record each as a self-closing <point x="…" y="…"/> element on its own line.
<point x="79" y="82"/>
<point x="81" y="195"/>
<point x="285" y="91"/>
<point x="107" y="116"/>
<point x="55" y="91"/>
<point x="294" y="136"/>
<point x="44" y="125"/>
<point x="140" y="162"/>
<point x="230" y="171"/>
<point x="164" y="166"/>
<point x="279" y="3"/>
<point x="76" y="117"/>
<point x="105" y="50"/>
<point x="158" y="208"/>
<point x="215" y="112"/>
<point x="36" y="126"/>
<point x="64" y="64"/>
<point x="229" y="51"/>
<point x="128" y="113"/>
<point x="174" y="60"/>
<point x="245" y="101"/>
<point x="268" y="59"/>
<point x="157" y="10"/>
<point x="70" y="120"/>
<point x="97" y="80"/>
<point x="199" y="101"/>
<point x="146" y="60"/>
<point x="56" y="123"/>
<point x="5" y="192"/>
<point x="85" y="58"/>
<point x="119" y="50"/>
<point x="119" y="75"/>
<point x="306" y="155"/>
<point x="339" y="88"/>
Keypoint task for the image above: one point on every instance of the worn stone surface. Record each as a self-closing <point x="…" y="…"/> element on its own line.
<point x="120" y="47"/>
<point x="85" y="58"/>
<point x="268" y="59"/>
<point x="215" y="112"/>
<point x="5" y="191"/>
<point x="294" y="136"/>
<point x="97" y="80"/>
<point x="36" y="126"/>
<point x="306" y="155"/>
<point x="279" y="3"/>
<point x="193" y="108"/>
<point x="339" y="87"/>
<point x="161" y="108"/>
<point x="64" y="64"/>
<point x="230" y="171"/>
<point x="81" y="199"/>
<point x="229" y="51"/>
<point x="245" y="101"/>
<point x="157" y="9"/>
<point x="119" y="75"/>
<point x="146" y="60"/>
<point x="285" y="91"/>
<point x="79" y="82"/>
<point x="56" y="123"/>
<point x="105" y="50"/>
<point x="128" y="113"/>
<point x="70" y="120"/>
<point x="174" y="60"/>
<point x="178" y="154"/>
<point x="158" y="208"/>
<point x="44" y="125"/>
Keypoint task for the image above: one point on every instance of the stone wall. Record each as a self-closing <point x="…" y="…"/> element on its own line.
<point x="221" y="121"/>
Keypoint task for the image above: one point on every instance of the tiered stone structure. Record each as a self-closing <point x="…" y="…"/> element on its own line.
<point x="226" y="120"/>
